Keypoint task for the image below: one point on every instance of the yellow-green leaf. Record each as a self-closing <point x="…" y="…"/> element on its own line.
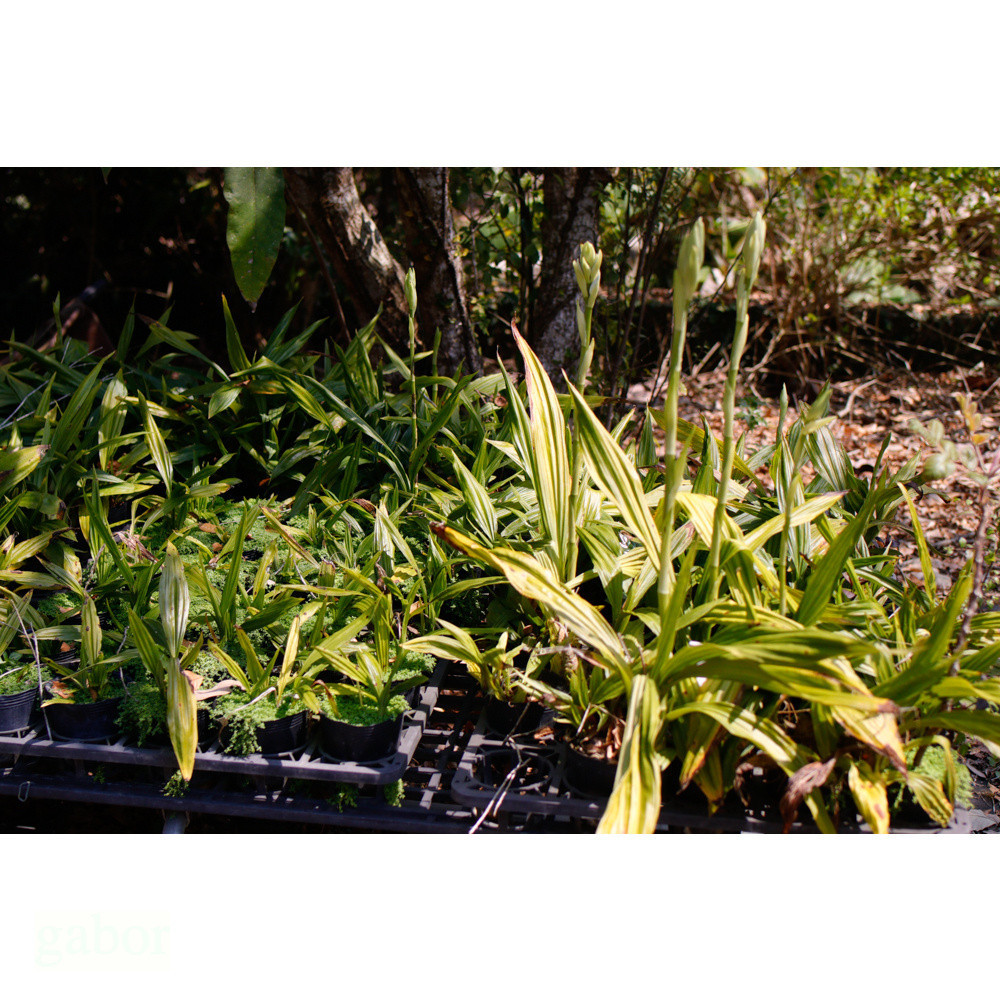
<point x="870" y="796"/>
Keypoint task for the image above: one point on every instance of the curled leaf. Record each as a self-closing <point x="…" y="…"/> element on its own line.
<point x="805" y="780"/>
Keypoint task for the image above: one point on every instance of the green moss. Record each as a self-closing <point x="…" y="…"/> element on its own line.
<point x="413" y="665"/>
<point x="241" y="723"/>
<point x="208" y="667"/>
<point x="354" y="713"/>
<point x="56" y="606"/>
<point x="22" y="679"/>
<point x="345" y="795"/>
<point x="143" y="714"/>
<point x="176" y="786"/>
<point x="933" y="764"/>
<point x="394" y="793"/>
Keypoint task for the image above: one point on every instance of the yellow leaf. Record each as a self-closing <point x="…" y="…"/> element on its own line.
<point x="870" y="796"/>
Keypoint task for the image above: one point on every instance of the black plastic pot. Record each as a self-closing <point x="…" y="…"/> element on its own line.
<point x="505" y="718"/>
<point x="16" y="710"/>
<point x="208" y="730"/>
<point x="275" y="737"/>
<point x="278" y="736"/>
<point x="589" y="775"/>
<point x="89" y="721"/>
<point x="282" y="735"/>
<point x="532" y="773"/>
<point x="343" y="741"/>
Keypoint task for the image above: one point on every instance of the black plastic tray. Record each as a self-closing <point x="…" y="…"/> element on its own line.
<point x="307" y="763"/>
<point x="557" y="798"/>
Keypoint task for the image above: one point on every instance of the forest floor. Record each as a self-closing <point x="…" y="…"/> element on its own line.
<point x="866" y="410"/>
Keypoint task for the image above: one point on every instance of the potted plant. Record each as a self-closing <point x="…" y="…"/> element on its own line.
<point x="509" y="708"/>
<point x="21" y="674"/>
<point x="269" y="712"/>
<point x="83" y="703"/>
<point x="361" y="717"/>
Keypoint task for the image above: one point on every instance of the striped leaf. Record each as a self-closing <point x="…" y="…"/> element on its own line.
<point x="157" y="446"/>
<point x="477" y="499"/>
<point x="553" y="484"/>
<point x="182" y="718"/>
<point x="634" y="805"/>
<point x="615" y="474"/>
<point x="175" y="601"/>
<point x="804" y="513"/>
<point x="17" y="464"/>
<point x="112" y="417"/>
<point x="90" y="635"/>
<point x="533" y="580"/>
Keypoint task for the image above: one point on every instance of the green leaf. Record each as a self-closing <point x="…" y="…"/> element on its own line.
<point x="149" y="651"/>
<point x="157" y="446"/>
<point x="828" y="570"/>
<point x="926" y="566"/>
<point x="99" y="526"/>
<point x="930" y="660"/>
<point x="90" y="635"/>
<point x="255" y="225"/>
<point x="222" y="399"/>
<point x="175" y="601"/>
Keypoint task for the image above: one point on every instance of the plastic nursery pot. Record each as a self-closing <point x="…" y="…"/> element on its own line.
<point x="16" y="710"/>
<point x="88" y="721"/>
<point x="207" y="729"/>
<point x="342" y="741"/>
<point x="589" y="775"/>
<point x="282" y="735"/>
<point x="531" y="773"/>
<point x="277" y="736"/>
<point x="505" y="718"/>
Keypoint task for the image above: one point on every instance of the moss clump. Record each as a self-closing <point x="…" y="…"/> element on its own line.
<point x="933" y="764"/>
<point x="23" y="678"/>
<point x="143" y="714"/>
<point x="355" y="713"/>
<point x="241" y="723"/>
<point x="55" y="607"/>
<point x="394" y="793"/>
<point x="176" y="787"/>
<point x="411" y="666"/>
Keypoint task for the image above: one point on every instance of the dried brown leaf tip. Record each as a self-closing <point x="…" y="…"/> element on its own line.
<point x="806" y="779"/>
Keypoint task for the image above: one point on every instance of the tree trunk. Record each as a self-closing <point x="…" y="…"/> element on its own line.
<point x="330" y="201"/>
<point x="425" y="202"/>
<point x="571" y="198"/>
